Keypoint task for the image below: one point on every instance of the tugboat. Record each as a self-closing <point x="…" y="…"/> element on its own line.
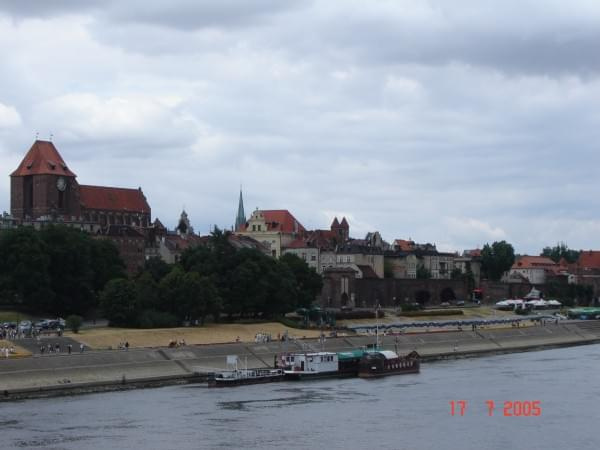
<point x="386" y="362"/>
<point x="305" y="365"/>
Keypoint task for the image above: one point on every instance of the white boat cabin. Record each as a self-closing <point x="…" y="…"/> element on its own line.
<point x="317" y="362"/>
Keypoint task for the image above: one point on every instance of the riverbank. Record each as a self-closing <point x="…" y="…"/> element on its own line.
<point x="43" y="376"/>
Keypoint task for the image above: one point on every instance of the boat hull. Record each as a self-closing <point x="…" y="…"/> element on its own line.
<point x="245" y="381"/>
<point x="245" y="377"/>
<point x="386" y="373"/>
<point x="313" y="375"/>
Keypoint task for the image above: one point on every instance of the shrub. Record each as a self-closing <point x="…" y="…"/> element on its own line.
<point x="151" y="318"/>
<point x="290" y="323"/>
<point x="74" y="322"/>
<point x="410" y="307"/>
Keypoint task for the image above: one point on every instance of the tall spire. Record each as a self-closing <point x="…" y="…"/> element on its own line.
<point x="240" y="220"/>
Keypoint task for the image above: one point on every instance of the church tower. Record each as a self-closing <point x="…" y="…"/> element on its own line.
<point x="43" y="185"/>
<point x="184" y="228"/>
<point x="240" y="220"/>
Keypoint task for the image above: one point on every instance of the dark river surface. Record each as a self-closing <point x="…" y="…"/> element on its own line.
<point x="401" y="412"/>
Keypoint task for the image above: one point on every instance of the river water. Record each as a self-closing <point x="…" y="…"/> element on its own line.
<point x="402" y="412"/>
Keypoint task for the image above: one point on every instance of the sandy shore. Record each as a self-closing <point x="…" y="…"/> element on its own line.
<point x="103" y="338"/>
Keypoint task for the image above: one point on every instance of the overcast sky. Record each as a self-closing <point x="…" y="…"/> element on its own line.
<point x="454" y="122"/>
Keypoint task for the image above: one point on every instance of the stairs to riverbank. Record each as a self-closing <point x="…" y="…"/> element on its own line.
<point x="590" y="327"/>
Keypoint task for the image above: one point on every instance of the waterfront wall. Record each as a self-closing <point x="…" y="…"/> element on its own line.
<point x="342" y="288"/>
<point x="113" y="370"/>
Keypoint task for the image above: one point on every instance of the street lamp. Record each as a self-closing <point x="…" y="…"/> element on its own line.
<point x="377" y="325"/>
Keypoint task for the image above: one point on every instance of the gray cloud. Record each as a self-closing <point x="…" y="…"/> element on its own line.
<point x="452" y="125"/>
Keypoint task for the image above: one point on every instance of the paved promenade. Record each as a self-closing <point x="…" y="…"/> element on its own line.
<point x="122" y="367"/>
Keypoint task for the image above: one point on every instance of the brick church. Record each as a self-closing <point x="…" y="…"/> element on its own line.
<point x="43" y="189"/>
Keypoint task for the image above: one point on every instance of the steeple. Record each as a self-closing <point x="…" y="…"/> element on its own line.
<point x="184" y="228"/>
<point x="240" y="220"/>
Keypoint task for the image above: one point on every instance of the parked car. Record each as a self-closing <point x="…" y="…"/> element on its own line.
<point x="444" y="304"/>
<point x="460" y="303"/>
<point x="11" y="325"/>
<point x="25" y="326"/>
<point x="54" y="325"/>
<point x="42" y="324"/>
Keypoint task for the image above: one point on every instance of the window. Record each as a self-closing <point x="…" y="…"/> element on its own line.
<point x="313" y="257"/>
<point x="253" y="227"/>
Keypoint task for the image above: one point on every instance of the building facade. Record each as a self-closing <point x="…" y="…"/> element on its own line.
<point x="44" y="190"/>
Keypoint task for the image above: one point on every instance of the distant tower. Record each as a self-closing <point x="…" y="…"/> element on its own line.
<point x="183" y="227"/>
<point x="341" y="230"/>
<point x="240" y="220"/>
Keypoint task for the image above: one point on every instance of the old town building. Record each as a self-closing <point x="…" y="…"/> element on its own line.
<point x="44" y="190"/>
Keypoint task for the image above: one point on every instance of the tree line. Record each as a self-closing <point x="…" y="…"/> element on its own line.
<point x="211" y="280"/>
<point x="58" y="270"/>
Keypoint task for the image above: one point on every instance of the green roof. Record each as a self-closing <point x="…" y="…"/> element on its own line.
<point x="587" y="310"/>
<point x="352" y="354"/>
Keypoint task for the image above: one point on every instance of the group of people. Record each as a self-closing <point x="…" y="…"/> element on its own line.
<point x="7" y="351"/>
<point x="55" y="348"/>
<point x="262" y="338"/>
<point x="175" y="343"/>
<point x="11" y="334"/>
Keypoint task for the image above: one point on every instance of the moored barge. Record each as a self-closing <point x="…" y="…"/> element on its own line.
<point x="241" y="377"/>
<point x="382" y="363"/>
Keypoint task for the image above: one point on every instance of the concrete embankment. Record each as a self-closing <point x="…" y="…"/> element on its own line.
<point x="112" y="370"/>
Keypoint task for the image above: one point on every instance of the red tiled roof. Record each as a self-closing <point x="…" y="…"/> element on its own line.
<point x="113" y="199"/>
<point x="533" y="262"/>
<point x="178" y="243"/>
<point x="42" y="158"/>
<point x="404" y="245"/>
<point x="282" y="220"/>
<point x="589" y="259"/>
<point x="297" y="243"/>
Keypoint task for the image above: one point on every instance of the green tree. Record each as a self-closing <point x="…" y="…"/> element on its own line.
<point x="156" y="267"/>
<point x="561" y="250"/>
<point x="106" y="262"/>
<point x="309" y="282"/>
<point x="201" y="296"/>
<point x="24" y="268"/>
<point x="147" y="295"/>
<point x="74" y="322"/>
<point x="118" y="302"/>
<point x="59" y="270"/>
<point x="71" y="271"/>
<point x="171" y="292"/>
<point x="497" y="259"/>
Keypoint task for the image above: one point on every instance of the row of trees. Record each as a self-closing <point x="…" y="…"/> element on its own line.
<point x="209" y="281"/>
<point x="58" y="270"/>
<point x="499" y="257"/>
